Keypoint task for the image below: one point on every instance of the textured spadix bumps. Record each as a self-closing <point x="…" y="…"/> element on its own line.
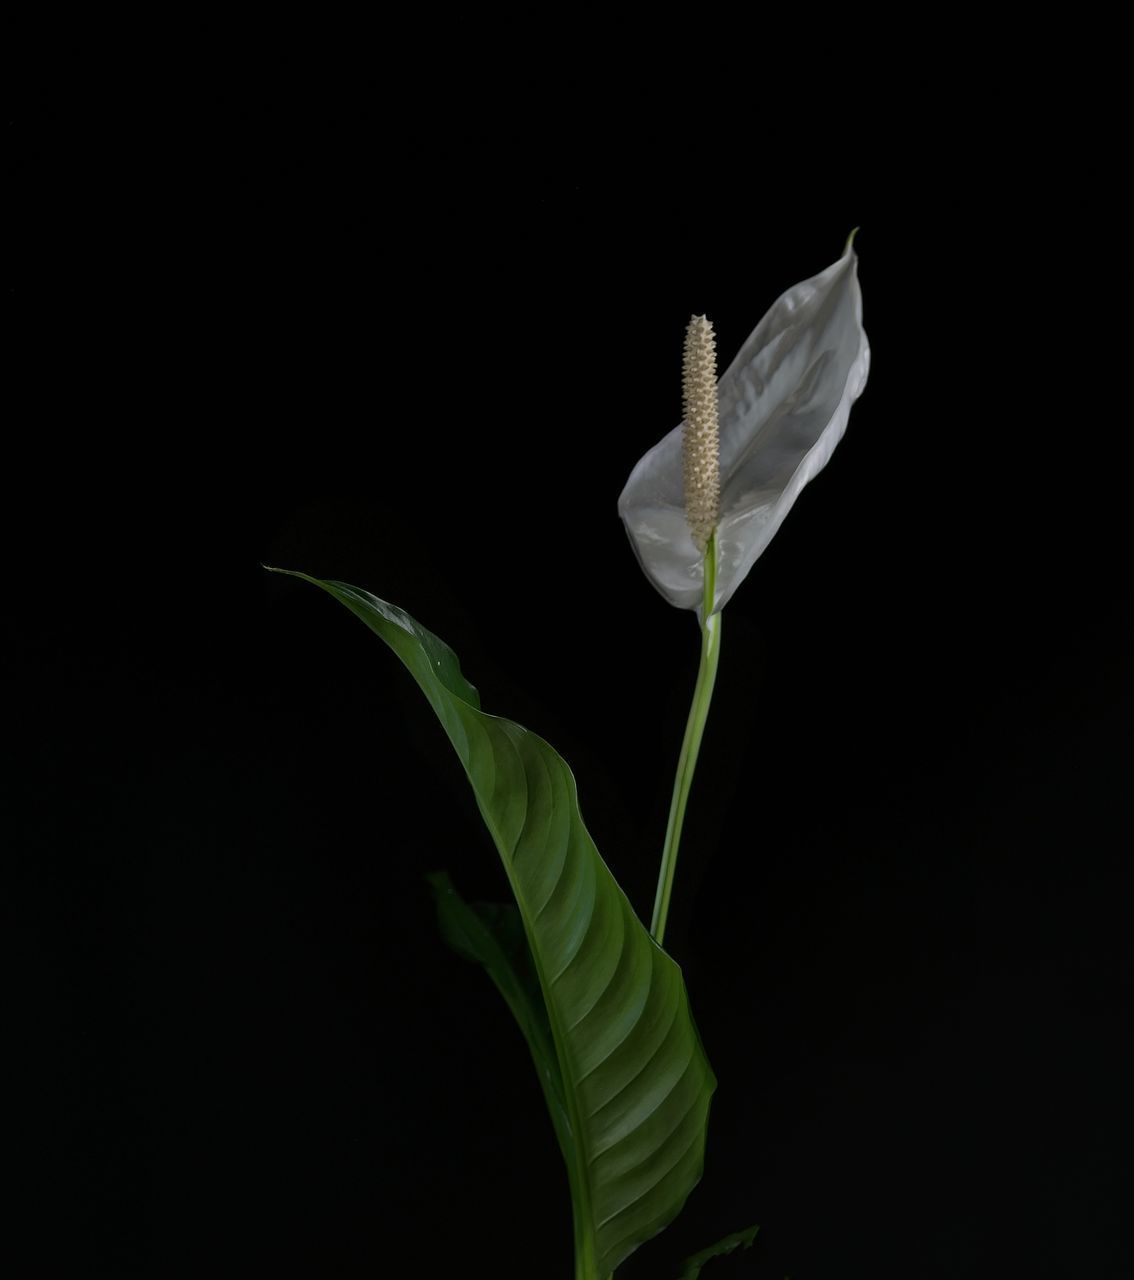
<point x="784" y="403"/>
<point x="701" y="444"/>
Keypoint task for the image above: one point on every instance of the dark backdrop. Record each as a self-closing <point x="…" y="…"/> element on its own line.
<point x="255" y="328"/>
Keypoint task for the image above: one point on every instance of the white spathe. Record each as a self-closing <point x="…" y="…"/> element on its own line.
<point x="784" y="404"/>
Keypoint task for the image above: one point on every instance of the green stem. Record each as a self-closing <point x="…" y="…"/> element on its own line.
<point x="694" y="729"/>
<point x="585" y="1266"/>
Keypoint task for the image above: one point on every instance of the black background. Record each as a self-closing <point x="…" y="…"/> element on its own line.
<point x="309" y="330"/>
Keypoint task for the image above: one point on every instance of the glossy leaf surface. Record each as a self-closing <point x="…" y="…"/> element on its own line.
<point x="636" y="1082"/>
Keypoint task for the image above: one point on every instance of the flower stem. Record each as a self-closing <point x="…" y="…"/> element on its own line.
<point x="694" y="729"/>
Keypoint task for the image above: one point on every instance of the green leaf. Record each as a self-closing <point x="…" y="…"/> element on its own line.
<point x="692" y="1266"/>
<point x="492" y="934"/>
<point x="636" y="1082"/>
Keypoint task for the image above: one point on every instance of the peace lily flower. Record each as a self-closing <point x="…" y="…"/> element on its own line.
<point x="783" y="406"/>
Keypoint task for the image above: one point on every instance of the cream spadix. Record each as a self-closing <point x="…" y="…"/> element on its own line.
<point x="700" y="441"/>
<point x="783" y="406"/>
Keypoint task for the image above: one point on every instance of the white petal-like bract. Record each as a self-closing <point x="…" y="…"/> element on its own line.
<point x="784" y="404"/>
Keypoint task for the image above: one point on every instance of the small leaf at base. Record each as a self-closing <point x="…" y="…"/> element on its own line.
<point x="693" y="1265"/>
